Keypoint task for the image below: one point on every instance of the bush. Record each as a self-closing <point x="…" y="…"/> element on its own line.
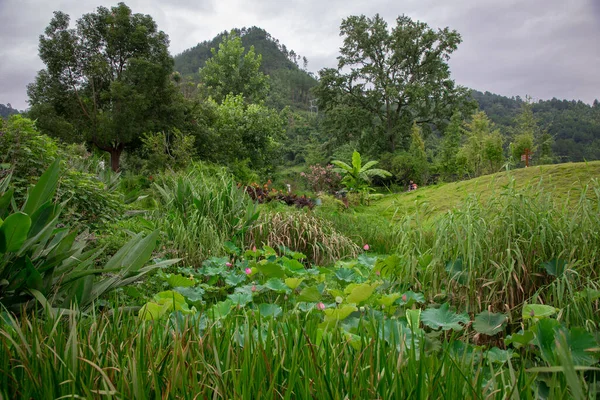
<point x="322" y="179"/>
<point x="302" y="232"/>
<point x="90" y="200"/>
<point x="173" y="150"/>
<point x="200" y="210"/>
<point x="54" y="266"/>
<point x="404" y="167"/>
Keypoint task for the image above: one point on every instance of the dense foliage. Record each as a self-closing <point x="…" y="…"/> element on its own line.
<point x="107" y="81"/>
<point x="290" y="82"/>
<point x="398" y="77"/>
<point x="572" y="127"/>
<point x="309" y="285"/>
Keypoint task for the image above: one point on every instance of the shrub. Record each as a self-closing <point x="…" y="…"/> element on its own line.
<point x="322" y="179"/>
<point x="173" y="150"/>
<point x="89" y="199"/>
<point x="200" y="210"/>
<point x="302" y="232"/>
<point x="53" y="266"/>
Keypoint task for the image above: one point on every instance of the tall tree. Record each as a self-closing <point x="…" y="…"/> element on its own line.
<point x="400" y="76"/>
<point x="482" y="151"/>
<point x="108" y="78"/>
<point x="525" y="132"/>
<point x="450" y="146"/>
<point x="230" y="71"/>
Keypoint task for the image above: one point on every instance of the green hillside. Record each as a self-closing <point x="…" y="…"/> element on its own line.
<point x="565" y="182"/>
<point x="290" y="82"/>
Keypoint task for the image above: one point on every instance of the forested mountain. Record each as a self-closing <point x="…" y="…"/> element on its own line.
<point x="7" y="110"/>
<point x="574" y="125"/>
<point x="290" y="82"/>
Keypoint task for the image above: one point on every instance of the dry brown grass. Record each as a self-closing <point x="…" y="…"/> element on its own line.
<point x="305" y="233"/>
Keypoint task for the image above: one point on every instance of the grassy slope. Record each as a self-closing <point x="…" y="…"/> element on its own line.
<point x="564" y="181"/>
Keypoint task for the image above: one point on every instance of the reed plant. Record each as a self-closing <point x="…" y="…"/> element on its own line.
<point x="199" y="210"/>
<point x="246" y="356"/>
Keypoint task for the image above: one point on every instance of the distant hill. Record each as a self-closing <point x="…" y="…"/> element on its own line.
<point x="290" y="82"/>
<point x="7" y="110"/>
<point x="574" y="125"/>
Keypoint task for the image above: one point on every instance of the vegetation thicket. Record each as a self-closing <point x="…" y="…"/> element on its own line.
<point x="243" y="247"/>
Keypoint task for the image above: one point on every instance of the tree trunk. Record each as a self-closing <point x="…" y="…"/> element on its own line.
<point x="115" y="157"/>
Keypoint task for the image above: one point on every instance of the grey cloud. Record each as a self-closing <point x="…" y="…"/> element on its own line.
<point x="546" y="48"/>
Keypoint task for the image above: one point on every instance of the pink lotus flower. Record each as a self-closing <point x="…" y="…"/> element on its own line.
<point x="254" y="248"/>
<point x="404" y="297"/>
<point x="320" y="306"/>
<point x="254" y="288"/>
<point x="229" y="264"/>
<point x="248" y="271"/>
<point x="366" y="247"/>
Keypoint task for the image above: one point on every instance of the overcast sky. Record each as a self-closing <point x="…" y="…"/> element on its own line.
<point x="543" y="48"/>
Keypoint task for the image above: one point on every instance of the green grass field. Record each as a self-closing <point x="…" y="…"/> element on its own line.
<point x="564" y="181"/>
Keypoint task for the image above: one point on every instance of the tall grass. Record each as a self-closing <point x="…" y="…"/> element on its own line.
<point x="490" y="255"/>
<point x="201" y="209"/>
<point x="244" y="357"/>
<point x="303" y="232"/>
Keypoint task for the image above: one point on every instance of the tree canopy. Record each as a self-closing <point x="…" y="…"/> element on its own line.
<point x="106" y="81"/>
<point x="400" y="76"/>
<point x="230" y="71"/>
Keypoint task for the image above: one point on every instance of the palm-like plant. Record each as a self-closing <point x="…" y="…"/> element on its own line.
<point x="357" y="177"/>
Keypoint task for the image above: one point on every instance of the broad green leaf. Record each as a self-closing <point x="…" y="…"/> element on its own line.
<point x="498" y="356"/>
<point x="555" y="267"/>
<point x="293" y="283"/>
<point x="583" y="346"/>
<point x="13" y="232"/>
<point x="140" y="253"/>
<point x="443" y="318"/>
<point x="269" y="251"/>
<point x="388" y="299"/>
<point x="292" y="265"/>
<point x="345" y="274"/>
<point x="234" y="279"/>
<point x="413" y="317"/>
<point x="177" y="280"/>
<point x="34" y="278"/>
<point x="240" y="299"/>
<point x="389" y="265"/>
<point x="231" y="248"/>
<point x="361" y="293"/>
<point x="44" y="189"/>
<point x="519" y="339"/>
<point x="221" y="309"/>
<point x="309" y="294"/>
<point x="277" y="285"/>
<point x="538" y="311"/>
<point x="5" y="201"/>
<point x="457" y="271"/>
<point x="306" y="307"/>
<point x="169" y="295"/>
<point x="356" y="161"/>
<point x="489" y="323"/>
<point x="270" y="270"/>
<point x="409" y="298"/>
<point x="41" y="218"/>
<point x="269" y="310"/>
<point x="192" y="294"/>
<point x="545" y="332"/>
<point x="150" y="311"/>
<point x="338" y="314"/>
